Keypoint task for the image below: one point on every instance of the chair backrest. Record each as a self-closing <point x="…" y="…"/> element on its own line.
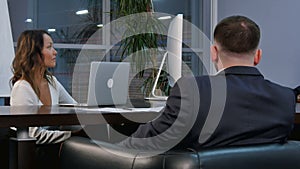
<point x="85" y="154"/>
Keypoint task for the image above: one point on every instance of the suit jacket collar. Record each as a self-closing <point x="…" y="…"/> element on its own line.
<point x="242" y="70"/>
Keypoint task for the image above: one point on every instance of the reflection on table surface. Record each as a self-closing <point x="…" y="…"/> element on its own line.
<point x="24" y="116"/>
<point x="34" y="109"/>
<point x="153" y="106"/>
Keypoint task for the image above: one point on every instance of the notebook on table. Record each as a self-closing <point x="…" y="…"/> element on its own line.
<point x="108" y="84"/>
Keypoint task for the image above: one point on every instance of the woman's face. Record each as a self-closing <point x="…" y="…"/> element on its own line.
<point x="49" y="52"/>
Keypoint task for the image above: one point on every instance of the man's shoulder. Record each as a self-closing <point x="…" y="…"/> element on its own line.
<point x="195" y="78"/>
<point x="281" y="90"/>
<point x="195" y="83"/>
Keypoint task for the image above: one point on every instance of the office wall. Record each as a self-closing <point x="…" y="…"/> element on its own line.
<point x="18" y="12"/>
<point x="280" y="26"/>
<point x="6" y="50"/>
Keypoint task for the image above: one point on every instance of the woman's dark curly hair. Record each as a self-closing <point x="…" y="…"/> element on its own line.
<point x="28" y="58"/>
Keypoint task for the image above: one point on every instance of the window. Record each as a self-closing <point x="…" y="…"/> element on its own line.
<point x="72" y="22"/>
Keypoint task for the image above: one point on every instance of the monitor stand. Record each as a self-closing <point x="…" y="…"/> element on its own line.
<point x="156" y="97"/>
<point x="153" y="95"/>
<point x="160" y="98"/>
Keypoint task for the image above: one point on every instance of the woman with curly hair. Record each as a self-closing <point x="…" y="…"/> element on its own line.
<point x="33" y="84"/>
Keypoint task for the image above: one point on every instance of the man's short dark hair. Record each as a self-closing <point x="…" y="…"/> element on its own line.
<point x="237" y="34"/>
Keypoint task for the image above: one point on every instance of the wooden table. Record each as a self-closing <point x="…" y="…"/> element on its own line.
<point x="297" y="118"/>
<point x="297" y="115"/>
<point x="22" y="117"/>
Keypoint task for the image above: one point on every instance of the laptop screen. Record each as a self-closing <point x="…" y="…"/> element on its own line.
<point x="108" y="83"/>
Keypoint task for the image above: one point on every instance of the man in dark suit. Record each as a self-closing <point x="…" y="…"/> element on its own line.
<point x="237" y="106"/>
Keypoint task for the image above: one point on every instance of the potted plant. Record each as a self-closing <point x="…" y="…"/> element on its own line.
<point x="139" y="46"/>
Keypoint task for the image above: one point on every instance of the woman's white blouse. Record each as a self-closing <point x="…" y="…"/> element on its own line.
<point x="23" y="94"/>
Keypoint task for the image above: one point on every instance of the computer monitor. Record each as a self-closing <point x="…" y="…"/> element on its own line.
<point x="174" y="49"/>
<point x="173" y="55"/>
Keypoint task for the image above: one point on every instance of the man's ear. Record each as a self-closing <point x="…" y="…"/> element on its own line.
<point x="257" y="56"/>
<point x="214" y="53"/>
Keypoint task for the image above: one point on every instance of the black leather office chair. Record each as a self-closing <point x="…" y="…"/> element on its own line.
<point x="82" y="153"/>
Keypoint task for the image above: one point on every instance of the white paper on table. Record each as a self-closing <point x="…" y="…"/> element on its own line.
<point x="122" y="110"/>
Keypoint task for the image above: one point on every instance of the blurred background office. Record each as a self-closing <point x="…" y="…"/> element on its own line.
<point x="72" y="22"/>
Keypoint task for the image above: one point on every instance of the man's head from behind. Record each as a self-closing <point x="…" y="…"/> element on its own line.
<point x="236" y="42"/>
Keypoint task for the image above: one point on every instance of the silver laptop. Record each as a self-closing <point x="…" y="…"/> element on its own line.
<point x="108" y="83"/>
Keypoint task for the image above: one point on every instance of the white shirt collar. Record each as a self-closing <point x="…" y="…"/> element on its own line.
<point x="219" y="71"/>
